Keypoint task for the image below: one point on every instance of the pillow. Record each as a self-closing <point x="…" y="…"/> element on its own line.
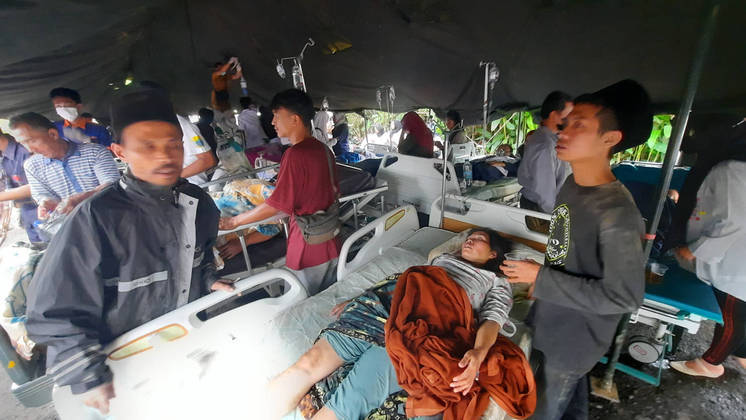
<point x="453" y="246"/>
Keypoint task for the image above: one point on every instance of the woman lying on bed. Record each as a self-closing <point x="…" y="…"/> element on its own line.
<point x="356" y="340"/>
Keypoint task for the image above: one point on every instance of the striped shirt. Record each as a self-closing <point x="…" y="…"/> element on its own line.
<point x="84" y="167"/>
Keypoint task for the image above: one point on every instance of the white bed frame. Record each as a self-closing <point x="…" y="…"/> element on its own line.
<point x="503" y="218"/>
<point x="390" y="229"/>
<point x="463" y="152"/>
<point x="192" y="350"/>
<point x="396" y="228"/>
<point x="414" y="180"/>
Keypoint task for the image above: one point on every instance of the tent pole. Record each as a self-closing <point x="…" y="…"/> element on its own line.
<point x="365" y="127"/>
<point x="605" y="388"/>
<point x="682" y="117"/>
<point x="445" y="172"/>
<point x="486" y="97"/>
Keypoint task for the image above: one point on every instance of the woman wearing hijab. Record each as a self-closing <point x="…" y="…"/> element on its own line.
<point x="341" y="132"/>
<point x="416" y="139"/>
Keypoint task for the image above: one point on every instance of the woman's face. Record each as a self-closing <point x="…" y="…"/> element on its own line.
<point x="476" y="249"/>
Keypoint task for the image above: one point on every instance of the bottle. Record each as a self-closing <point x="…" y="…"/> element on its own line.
<point x="298" y="78"/>
<point x="259" y="161"/>
<point x="467" y="173"/>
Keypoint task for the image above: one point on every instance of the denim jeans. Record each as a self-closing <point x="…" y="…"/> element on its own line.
<point x="561" y="394"/>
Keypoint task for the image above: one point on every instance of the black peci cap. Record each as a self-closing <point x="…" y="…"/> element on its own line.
<point x="140" y="104"/>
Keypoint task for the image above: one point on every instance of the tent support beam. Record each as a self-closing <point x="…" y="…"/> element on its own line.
<point x="606" y="385"/>
<point x="682" y="117"/>
<point x="485" y="103"/>
<point x="446" y="143"/>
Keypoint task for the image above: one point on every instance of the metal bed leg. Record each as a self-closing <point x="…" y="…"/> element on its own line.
<point x="245" y="252"/>
<point x="354" y="213"/>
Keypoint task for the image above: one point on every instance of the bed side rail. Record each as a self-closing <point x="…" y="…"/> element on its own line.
<point x="505" y="219"/>
<point x="186" y="318"/>
<point x="388" y="230"/>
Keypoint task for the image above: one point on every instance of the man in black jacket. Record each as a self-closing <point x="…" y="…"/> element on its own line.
<point x="136" y="250"/>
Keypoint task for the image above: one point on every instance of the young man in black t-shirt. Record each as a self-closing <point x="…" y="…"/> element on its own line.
<point x="594" y="267"/>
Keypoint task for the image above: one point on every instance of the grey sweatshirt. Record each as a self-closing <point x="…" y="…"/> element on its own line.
<point x="541" y="174"/>
<point x="594" y="272"/>
<point x="491" y="296"/>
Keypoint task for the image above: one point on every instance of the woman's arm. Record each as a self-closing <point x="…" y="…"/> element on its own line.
<point x="472" y="360"/>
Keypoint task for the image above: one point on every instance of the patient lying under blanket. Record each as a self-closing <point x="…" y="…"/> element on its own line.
<point x="415" y="344"/>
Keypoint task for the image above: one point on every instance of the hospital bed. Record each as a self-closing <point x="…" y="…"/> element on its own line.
<point x="463" y="152"/>
<point x="219" y="182"/>
<point x="357" y="195"/>
<point x="414" y="180"/>
<point x="677" y="304"/>
<point x="418" y="182"/>
<point x="186" y="365"/>
<point x="504" y="190"/>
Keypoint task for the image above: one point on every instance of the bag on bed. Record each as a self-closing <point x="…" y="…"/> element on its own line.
<point x="324" y="225"/>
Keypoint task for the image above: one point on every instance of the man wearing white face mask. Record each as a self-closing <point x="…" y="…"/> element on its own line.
<point x="73" y="127"/>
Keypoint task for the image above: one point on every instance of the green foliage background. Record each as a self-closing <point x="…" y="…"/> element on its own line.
<point x="512" y="129"/>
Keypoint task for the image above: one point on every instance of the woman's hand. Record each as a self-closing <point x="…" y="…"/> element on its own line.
<point x="471" y="361"/>
<point x="227" y="223"/>
<point x="338" y="308"/>
<point x="521" y="271"/>
<point x="230" y="249"/>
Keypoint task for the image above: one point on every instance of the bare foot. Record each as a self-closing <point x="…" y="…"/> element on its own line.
<point x="741" y="361"/>
<point x="708" y="368"/>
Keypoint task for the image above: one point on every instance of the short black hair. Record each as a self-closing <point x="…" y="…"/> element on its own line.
<point x="33" y="120"/>
<point x="245" y="102"/>
<point x="454" y="116"/>
<point x="64" y="92"/>
<point x="607" y="119"/>
<point x="555" y="101"/>
<point x="498" y="244"/>
<point x="295" y="101"/>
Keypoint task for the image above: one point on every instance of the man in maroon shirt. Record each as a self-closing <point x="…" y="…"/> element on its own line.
<point x="303" y="187"/>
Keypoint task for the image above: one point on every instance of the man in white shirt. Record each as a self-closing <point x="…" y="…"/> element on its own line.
<point x="198" y="158"/>
<point x="248" y="121"/>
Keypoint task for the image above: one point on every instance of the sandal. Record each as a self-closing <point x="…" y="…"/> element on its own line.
<point x="703" y="371"/>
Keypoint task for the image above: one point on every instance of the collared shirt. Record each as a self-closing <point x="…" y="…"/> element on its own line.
<point x="84" y="132"/>
<point x="84" y="167"/>
<point x="541" y="173"/>
<point x="716" y="231"/>
<point x="12" y="160"/>
<point x="194" y="145"/>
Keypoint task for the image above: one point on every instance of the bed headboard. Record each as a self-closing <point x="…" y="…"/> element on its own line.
<point x="414" y="180"/>
<point x="463" y="213"/>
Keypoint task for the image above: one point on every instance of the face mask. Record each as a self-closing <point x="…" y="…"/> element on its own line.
<point x="69" y="113"/>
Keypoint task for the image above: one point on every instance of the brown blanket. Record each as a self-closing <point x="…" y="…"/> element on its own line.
<point x="430" y="327"/>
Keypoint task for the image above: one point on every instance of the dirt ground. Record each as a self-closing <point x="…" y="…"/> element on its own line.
<point x="679" y="397"/>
